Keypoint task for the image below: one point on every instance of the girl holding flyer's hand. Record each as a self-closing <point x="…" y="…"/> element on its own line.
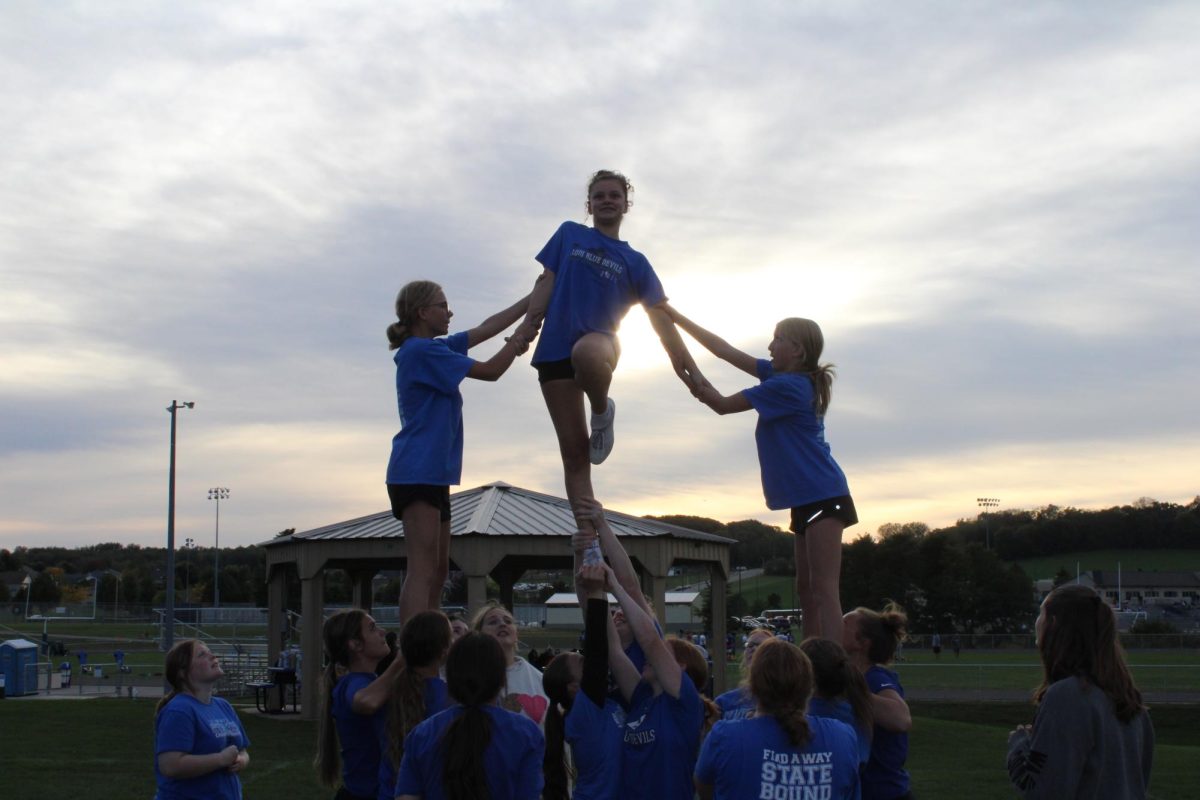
<point x="427" y="453"/>
<point x="798" y="470"/>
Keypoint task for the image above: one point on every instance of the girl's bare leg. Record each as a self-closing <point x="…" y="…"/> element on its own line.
<point x="824" y="540"/>
<point x="564" y="401"/>
<point x="422" y="529"/>
<point x="438" y="581"/>
<point x="804" y="596"/>
<point x="595" y="357"/>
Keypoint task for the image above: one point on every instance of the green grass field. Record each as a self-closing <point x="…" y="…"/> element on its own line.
<point x="103" y="750"/>
<point x="1130" y="560"/>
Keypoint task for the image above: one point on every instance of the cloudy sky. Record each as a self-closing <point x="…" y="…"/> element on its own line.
<point x="991" y="209"/>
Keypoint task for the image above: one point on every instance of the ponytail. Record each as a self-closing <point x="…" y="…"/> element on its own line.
<point x="423" y="642"/>
<point x="178" y="660"/>
<point x="475" y="675"/>
<point x="781" y="680"/>
<point x="835" y="677"/>
<point x="409" y="301"/>
<point x="806" y="335"/>
<point x="556" y="770"/>
<point x="339" y="630"/>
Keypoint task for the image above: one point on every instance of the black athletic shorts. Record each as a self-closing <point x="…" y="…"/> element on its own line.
<point x="561" y="370"/>
<point x="401" y="494"/>
<point x="837" y="507"/>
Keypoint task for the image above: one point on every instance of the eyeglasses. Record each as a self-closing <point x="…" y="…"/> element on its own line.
<point x="443" y="305"/>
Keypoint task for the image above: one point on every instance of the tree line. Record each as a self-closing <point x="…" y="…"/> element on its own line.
<point x="947" y="579"/>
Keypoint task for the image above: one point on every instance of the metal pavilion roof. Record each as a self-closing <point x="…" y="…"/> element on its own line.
<point x="499" y="509"/>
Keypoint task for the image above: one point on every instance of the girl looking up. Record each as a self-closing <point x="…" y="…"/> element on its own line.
<point x="798" y="470"/>
<point x="780" y="751"/>
<point x="418" y="692"/>
<point x="199" y="742"/>
<point x="522" y="692"/>
<point x="473" y="749"/>
<point x="738" y="703"/>
<point x="581" y="712"/>
<point x="1092" y="735"/>
<point x="590" y="280"/>
<point x="354" y="717"/>
<point x="662" y="728"/>
<point x="427" y="452"/>
<point x="870" y="639"/>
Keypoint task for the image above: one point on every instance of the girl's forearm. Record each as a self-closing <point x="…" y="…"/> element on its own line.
<point x="539" y="298"/>
<point x="498" y="321"/>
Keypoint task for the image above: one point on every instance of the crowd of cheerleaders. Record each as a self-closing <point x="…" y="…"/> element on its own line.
<point x="625" y="718"/>
<point x="456" y="714"/>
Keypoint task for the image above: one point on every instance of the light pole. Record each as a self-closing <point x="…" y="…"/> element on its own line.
<point x="220" y="493"/>
<point x="188" y="544"/>
<point x="985" y="503"/>
<point x="169" y="625"/>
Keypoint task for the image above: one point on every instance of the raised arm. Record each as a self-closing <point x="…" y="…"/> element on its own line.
<point x="371" y="697"/>
<point x="497" y="322"/>
<point x="539" y="299"/>
<point x="713" y="343"/>
<point x="624" y="672"/>
<point x="588" y="509"/>
<point x="681" y="360"/>
<point x="595" y="640"/>
<point x="666" y="668"/>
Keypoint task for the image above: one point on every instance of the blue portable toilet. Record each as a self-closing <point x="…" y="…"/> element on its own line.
<point x="18" y="664"/>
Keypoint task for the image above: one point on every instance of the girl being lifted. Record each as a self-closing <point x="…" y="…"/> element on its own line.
<point x="590" y="280"/>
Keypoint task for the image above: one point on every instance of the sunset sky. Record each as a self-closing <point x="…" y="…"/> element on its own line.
<point x="989" y="207"/>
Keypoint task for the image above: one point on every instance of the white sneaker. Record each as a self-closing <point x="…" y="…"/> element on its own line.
<point x="602" y="434"/>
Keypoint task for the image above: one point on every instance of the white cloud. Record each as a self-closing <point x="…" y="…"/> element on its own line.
<point x="987" y="208"/>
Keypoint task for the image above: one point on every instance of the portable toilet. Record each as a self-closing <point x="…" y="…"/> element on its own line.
<point x="18" y="664"/>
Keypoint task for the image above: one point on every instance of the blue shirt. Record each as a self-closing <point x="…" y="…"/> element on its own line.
<point x="842" y="710"/>
<point x="796" y="463"/>
<point x="429" y="447"/>
<point x="512" y="760"/>
<point x="884" y="777"/>
<point x="358" y="735"/>
<point x="736" y="703"/>
<point x="662" y="739"/>
<point x="595" y="735"/>
<point x="596" y="280"/>
<point x="752" y="758"/>
<point x="186" y="725"/>
<point x="436" y="699"/>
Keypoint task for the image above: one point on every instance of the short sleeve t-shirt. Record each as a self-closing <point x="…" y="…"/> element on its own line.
<point x="429" y="447"/>
<point x="795" y="461"/>
<point x="596" y="281"/>
<point x="842" y="710"/>
<point x="662" y="739"/>
<point x="358" y="735"/>
<point x="436" y="699"/>
<point x="595" y="735"/>
<point x="884" y="775"/>
<point x="736" y="703"/>
<point x="186" y="725"/>
<point x="753" y="757"/>
<point x="512" y="760"/>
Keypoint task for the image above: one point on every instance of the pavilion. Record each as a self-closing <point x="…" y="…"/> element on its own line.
<point x="498" y="531"/>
